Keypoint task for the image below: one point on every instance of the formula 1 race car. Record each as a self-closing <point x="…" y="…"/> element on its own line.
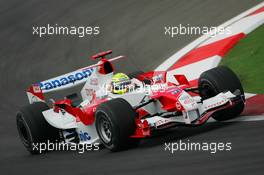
<point x="120" y="116"/>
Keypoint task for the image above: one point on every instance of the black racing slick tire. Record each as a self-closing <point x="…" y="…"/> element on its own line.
<point x="221" y="79"/>
<point x="115" y="123"/>
<point x="33" y="129"/>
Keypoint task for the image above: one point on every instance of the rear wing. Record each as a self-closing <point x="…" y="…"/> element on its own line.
<point x="66" y="81"/>
<point x="37" y="90"/>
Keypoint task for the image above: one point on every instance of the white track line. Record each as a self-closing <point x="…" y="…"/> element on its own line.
<point x="194" y="70"/>
<point x="249" y="95"/>
<point x="241" y="119"/>
<point x="204" y="38"/>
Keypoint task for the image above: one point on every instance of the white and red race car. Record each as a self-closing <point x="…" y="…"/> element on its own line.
<point x="119" y="121"/>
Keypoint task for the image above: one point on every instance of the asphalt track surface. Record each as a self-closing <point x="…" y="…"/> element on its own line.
<point x="133" y="28"/>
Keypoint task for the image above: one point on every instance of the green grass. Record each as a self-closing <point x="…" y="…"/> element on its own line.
<point x="246" y="59"/>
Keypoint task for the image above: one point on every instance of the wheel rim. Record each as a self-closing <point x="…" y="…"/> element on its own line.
<point x="23" y="132"/>
<point x="105" y="129"/>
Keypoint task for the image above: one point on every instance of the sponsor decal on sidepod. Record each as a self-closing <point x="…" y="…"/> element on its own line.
<point x="84" y="136"/>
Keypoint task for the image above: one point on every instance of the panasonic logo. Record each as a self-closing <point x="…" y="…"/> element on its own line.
<point x="64" y="80"/>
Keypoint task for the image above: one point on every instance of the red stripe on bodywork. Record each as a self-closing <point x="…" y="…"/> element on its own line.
<point x="36" y="91"/>
<point x="220" y="48"/>
<point x="254" y="105"/>
<point x="193" y="83"/>
<point x="257" y="11"/>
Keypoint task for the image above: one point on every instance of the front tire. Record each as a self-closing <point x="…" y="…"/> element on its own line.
<point x="115" y="123"/>
<point x="32" y="127"/>
<point x="221" y="79"/>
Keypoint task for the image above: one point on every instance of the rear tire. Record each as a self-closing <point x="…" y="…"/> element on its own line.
<point x="32" y="127"/>
<point x="115" y="123"/>
<point x="221" y="79"/>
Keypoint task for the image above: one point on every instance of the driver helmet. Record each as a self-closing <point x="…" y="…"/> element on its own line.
<point x="120" y="83"/>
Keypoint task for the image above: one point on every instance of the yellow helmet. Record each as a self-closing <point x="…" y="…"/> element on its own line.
<point x="120" y="83"/>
